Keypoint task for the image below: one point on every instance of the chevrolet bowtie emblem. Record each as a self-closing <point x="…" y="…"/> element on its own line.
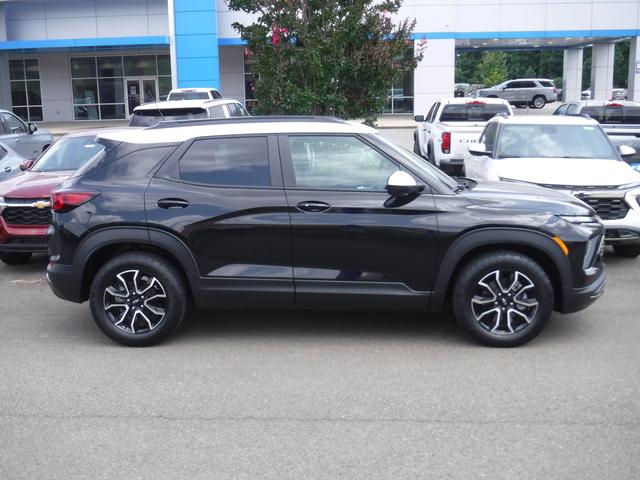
<point x="41" y="205"/>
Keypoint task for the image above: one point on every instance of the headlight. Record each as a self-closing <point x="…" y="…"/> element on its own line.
<point x="580" y="219"/>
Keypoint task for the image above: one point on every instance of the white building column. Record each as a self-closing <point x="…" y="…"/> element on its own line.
<point x="602" y="61"/>
<point x="435" y="74"/>
<point x="633" y="90"/>
<point x="572" y="74"/>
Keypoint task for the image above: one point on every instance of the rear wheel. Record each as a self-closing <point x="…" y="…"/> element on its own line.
<point x="138" y="299"/>
<point x="628" y="251"/>
<point x="15" y="258"/>
<point x="503" y="299"/>
<point x="538" y="102"/>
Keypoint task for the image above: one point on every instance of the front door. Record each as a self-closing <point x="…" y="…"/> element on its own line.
<point x="139" y="91"/>
<point x="351" y="247"/>
<point x="225" y="200"/>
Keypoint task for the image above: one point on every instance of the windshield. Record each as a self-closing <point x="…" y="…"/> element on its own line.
<point x="188" y="96"/>
<point x="613" y="115"/>
<point x="148" y="117"/>
<point x="554" y="141"/>
<point x="420" y="165"/>
<point x="471" y="112"/>
<point x="68" y="153"/>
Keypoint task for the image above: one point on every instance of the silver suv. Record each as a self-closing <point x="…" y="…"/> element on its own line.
<point x="523" y="92"/>
<point x="24" y="138"/>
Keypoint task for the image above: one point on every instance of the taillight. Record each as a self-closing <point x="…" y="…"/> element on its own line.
<point x="65" y="201"/>
<point x="555" y="90"/>
<point x="446" y="142"/>
<point x="614" y="105"/>
<point x="476" y="102"/>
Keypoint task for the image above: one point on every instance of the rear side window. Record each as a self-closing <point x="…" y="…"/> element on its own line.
<point x="471" y="112"/>
<point x="215" y="94"/>
<point x="614" y="115"/>
<point x="241" y="161"/>
<point x="528" y="85"/>
<point x="217" y="112"/>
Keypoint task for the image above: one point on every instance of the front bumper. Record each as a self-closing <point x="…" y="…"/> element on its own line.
<point x="576" y="299"/>
<point x="22" y="238"/>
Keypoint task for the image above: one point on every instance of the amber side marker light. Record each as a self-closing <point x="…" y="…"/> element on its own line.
<point x="562" y="245"/>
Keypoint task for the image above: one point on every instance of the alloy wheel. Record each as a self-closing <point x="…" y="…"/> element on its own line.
<point x="135" y="302"/>
<point x="504" y="302"/>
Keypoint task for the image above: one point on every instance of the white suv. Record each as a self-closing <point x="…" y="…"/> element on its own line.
<point x="572" y="154"/>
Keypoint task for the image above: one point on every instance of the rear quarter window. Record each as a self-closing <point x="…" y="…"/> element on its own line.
<point x="547" y="84"/>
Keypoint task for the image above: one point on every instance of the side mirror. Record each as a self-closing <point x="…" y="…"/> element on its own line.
<point x="626" y="151"/>
<point x="32" y="127"/>
<point x="401" y="184"/>
<point x="26" y="165"/>
<point x="478" y="149"/>
<point x="419" y="118"/>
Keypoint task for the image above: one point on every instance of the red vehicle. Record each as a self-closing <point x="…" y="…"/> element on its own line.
<point x="25" y="205"/>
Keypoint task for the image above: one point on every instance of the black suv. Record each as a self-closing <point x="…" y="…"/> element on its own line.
<point x="309" y="213"/>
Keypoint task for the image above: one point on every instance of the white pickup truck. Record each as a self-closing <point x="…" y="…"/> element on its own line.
<point x="452" y="124"/>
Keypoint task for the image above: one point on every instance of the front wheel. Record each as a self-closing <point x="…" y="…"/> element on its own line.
<point x="627" y="251"/>
<point x="503" y="299"/>
<point x="538" y="102"/>
<point x="138" y="299"/>
<point x="15" y="258"/>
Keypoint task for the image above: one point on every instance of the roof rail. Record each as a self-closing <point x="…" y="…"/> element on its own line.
<point x="224" y="121"/>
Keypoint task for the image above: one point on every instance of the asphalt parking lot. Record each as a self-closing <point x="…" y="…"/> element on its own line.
<point x="300" y="395"/>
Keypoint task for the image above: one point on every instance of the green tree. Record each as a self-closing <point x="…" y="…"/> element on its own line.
<point x="492" y="69"/>
<point x="325" y="57"/>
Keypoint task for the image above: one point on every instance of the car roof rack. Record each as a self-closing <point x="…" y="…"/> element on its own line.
<point x="226" y="121"/>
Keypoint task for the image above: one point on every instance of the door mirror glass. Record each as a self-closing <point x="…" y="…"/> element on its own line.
<point x="400" y="184"/>
<point x="26" y="165"/>
<point x="478" y="149"/>
<point x="626" y="151"/>
<point x="419" y="118"/>
<point x="32" y="127"/>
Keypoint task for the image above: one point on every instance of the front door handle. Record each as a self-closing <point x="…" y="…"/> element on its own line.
<point x="313" y="206"/>
<point x="172" y="203"/>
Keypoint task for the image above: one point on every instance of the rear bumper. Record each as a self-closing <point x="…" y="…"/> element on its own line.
<point x="65" y="282"/>
<point x="576" y="299"/>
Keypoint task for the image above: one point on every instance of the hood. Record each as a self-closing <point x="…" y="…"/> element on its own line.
<point x="519" y="197"/>
<point x="567" y="171"/>
<point x="32" y="184"/>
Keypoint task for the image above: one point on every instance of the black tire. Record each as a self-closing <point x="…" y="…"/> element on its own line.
<point x="430" y="157"/>
<point x="538" y="102"/>
<point x="503" y="321"/>
<point x="15" y="258"/>
<point x="153" y="327"/>
<point x="416" y="146"/>
<point x="627" y="251"/>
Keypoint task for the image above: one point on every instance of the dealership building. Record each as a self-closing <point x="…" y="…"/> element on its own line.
<point x="84" y="60"/>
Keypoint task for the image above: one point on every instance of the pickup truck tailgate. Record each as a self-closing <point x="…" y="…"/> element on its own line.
<point x="462" y="135"/>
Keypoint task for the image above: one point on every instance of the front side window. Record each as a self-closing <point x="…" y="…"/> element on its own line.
<point x="12" y="124"/>
<point x="554" y="141"/>
<point x="241" y="161"/>
<point x="338" y="163"/>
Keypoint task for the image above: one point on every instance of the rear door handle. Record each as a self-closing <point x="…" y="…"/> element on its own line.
<point x="313" y="206"/>
<point x="172" y="203"/>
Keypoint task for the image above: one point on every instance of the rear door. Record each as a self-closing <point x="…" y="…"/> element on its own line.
<point x="351" y="246"/>
<point x="223" y="198"/>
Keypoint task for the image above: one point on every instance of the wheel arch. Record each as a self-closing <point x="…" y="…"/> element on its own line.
<point x="101" y="246"/>
<point x="536" y="245"/>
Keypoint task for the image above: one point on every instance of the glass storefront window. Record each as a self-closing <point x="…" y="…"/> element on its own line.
<point x="140" y="66"/>
<point x="83" y="67"/>
<point x="99" y="83"/>
<point x="26" y="96"/>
